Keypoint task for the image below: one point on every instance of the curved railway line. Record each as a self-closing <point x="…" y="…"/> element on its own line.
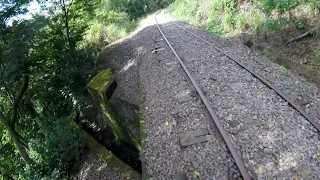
<point x="215" y="122"/>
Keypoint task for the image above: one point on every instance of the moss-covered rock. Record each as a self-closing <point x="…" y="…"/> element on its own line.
<point x="113" y="119"/>
<point x="124" y="170"/>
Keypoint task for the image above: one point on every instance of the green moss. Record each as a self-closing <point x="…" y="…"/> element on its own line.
<point x="97" y="87"/>
<point x="123" y="170"/>
<point x="101" y="81"/>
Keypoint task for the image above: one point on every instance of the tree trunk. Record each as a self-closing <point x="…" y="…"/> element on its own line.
<point x="16" y="140"/>
<point x="71" y="45"/>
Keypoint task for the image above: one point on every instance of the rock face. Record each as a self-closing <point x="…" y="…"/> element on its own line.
<point x="117" y="116"/>
<point x="246" y="39"/>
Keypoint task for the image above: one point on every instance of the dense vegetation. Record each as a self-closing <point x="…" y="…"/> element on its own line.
<point x="229" y="17"/>
<point x="46" y="62"/>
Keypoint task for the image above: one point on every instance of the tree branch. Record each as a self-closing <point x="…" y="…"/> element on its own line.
<point x="314" y="31"/>
<point x="16" y="138"/>
<point x="18" y="99"/>
<point x="71" y="45"/>
<point x="308" y="33"/>
<point x="69" y="6"/>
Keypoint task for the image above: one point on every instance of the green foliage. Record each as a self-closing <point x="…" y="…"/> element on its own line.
<point x="229" y="17"/>
<point x="241" y="21"/>
<point x="299" y="23"/>
<point x="275" y="24"/>
<point x="58" y="73"/>
<point x="282" y="69"/>
<point x="115" y="19"/>
<point x="272" y="25"/>
<point x="281" y="6"/>
<point x="217" y="16"/>
<point x="314" y="4"/>
<point x="57" y="144"/>
<point x="57" y="53"/>
<point x="9" y="159"/>
<point x="187" y="10"/>
<point x="108" y="27"/>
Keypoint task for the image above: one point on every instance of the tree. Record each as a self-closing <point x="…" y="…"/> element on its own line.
<point x="45" y="66"/>
<point x="14" y="68"/>
<point x="34" y="54"/>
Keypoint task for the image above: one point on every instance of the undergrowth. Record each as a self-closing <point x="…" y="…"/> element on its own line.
<point x="108" y="27"/>
<point x="230" y="17"/>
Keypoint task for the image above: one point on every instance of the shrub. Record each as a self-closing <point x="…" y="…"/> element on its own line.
<point x="186" y="10"/>
<point x="274" y="24"/>
<point x="281" y="6"/>
<point x="56" y="146"/>
<point x="314" y="4"/>
<point x="241" y="21"/>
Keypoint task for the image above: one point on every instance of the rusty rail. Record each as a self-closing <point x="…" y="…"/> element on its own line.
<point x="232" y="149"/>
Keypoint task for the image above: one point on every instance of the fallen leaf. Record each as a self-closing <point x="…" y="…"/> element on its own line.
<point x="296" y="178"/>
<point x="260" y="170"/>
<point x="318" y="154"/>
<point x="197" y="174"/>
<point x="302" y="154"/>
<point x="167" y="123"/>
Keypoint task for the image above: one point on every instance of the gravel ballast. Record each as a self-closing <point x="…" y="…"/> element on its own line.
<point x="168" y="111"/>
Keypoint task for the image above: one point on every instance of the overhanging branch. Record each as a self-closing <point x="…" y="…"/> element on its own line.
<point x="18" y="99"/>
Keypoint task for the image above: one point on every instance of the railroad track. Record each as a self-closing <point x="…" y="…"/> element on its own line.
<point x="214" y="120"/>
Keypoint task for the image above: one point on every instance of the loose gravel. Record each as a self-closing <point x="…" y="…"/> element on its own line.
<point x="163" y="80"/>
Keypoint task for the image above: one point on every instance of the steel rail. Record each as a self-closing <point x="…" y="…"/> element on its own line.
<point x="264" y="81"/>
<point x="232" y="149"/>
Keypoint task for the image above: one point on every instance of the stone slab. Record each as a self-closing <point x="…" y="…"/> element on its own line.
<point x="193" y="137"/>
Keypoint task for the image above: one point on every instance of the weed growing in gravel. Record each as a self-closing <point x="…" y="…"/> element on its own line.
<point x="282" y="69"/>
<point x="263" y="53"/>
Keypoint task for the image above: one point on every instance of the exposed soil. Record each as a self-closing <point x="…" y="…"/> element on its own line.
<point x="297" y="56"/>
